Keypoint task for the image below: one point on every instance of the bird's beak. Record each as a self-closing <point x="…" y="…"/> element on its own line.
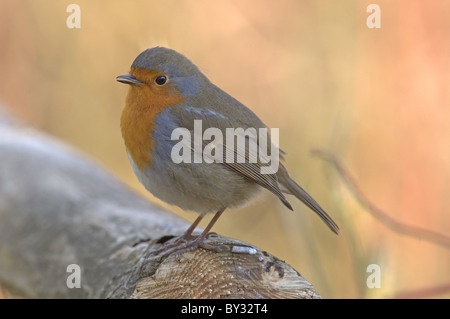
<point x="128" y="79"/>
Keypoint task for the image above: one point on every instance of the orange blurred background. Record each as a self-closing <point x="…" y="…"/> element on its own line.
<point x="377" y="98"/>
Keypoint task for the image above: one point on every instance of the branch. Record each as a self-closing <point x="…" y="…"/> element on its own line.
<point x="59" y="209"/>
<point x="379" y="214"/>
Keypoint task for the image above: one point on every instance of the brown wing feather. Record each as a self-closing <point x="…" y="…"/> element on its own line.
<point x="252" y="172"/>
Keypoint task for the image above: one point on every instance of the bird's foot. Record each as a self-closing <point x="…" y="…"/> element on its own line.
<point x="167" y="244"/>
<point x="184" y="244"/>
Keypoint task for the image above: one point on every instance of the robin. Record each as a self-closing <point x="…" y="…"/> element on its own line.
<point x="168" y="92"/>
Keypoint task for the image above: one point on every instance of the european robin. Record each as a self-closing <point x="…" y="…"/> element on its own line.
<point x="167" y="91"/>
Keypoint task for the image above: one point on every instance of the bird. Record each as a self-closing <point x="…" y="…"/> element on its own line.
<point x="168" y="92"/>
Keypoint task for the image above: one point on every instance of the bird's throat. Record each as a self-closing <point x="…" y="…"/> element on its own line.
<point x="138" y="120"/>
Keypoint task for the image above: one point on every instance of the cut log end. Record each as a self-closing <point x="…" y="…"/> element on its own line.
<point x="247" y="273"/>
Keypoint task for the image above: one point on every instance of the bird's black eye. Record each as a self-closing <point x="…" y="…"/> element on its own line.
<point x="160" y="80"/>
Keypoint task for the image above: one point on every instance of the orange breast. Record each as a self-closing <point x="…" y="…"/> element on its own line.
<point x="142" y="105"/>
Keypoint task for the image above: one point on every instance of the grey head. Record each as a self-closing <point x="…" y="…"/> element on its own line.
<point x="174" y="65"/>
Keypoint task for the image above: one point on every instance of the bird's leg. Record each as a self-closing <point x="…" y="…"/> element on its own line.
<point x="205" y="232"/>
<point x="197" y="242"/>
<point x="182" y="239"/>
<point x="188" y="233"/>
<point x="200" y="240"/>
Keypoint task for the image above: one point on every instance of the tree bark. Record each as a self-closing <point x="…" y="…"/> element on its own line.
<point x="58" y="208"/>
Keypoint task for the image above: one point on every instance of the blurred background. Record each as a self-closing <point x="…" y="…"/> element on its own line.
<point x="379" y="99"/>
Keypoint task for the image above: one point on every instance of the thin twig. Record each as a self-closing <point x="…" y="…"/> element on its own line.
<point x="379" y="214"/>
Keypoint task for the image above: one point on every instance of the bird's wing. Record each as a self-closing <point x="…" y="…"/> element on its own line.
<point x="248" y="159"/>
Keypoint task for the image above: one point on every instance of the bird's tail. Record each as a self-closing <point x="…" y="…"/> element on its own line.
<point x="289" y="186"/>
